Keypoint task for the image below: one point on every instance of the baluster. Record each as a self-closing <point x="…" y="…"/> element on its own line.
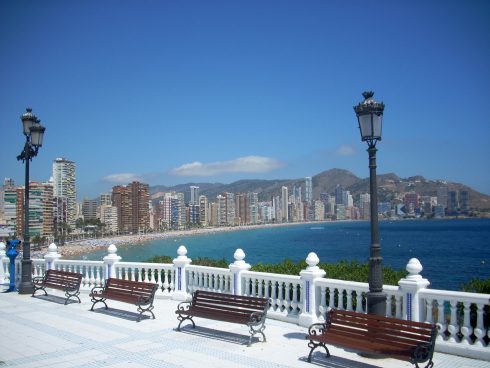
<point x="322" y="307"/>
<point x="294" y="300"/>
<point x="172" y="282"/>
<point x="453" y="327"/>
<point x="480" y="328"/>
<point x="399" y="304"/>
<point x="224" y="279"/>
<point x="466" y="329"/>
<point x="267" y="291"/>
<point x="92" y="276"/>
<point x="349" y="300"/>
<point x="441" y="323"/>
<point x="165" y="282"/>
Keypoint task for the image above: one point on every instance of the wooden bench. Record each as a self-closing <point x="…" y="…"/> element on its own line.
<point x="69" y="282"/>
<point x="138" y="293"/>
<point x="247" y="310"/>
<point x="372" y="334"/>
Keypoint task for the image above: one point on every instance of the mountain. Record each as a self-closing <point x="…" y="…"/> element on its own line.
<point x="390" y="187"/>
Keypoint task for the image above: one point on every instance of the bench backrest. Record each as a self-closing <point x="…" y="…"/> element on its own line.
<point x="387" y="330"/>
<point x="63" y="279"/>
<point x="130" y="288"/>
<point x="227" y="302"/>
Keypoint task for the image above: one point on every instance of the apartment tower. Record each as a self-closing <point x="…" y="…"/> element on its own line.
<point x="65" y="186"/>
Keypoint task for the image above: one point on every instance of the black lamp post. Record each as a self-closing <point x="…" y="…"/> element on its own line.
<point x="370" y="117"/>
<point x="34" y="133"/>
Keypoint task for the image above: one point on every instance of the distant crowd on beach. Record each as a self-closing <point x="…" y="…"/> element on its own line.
<point x="84" y="246"/>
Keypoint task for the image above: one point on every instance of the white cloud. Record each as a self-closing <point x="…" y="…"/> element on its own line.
<point x="122" y="178"/>
<point x="345" y="150"/>
<point x="248" y="164"/>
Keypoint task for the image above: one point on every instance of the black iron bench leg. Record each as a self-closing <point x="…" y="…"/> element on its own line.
<point x="95" y="301"/>
<point x="254" y="331"/>
<point x="36" y="288"/>
<point x="68" y="296"/>
<point x="313" y="345"/>
<point x="141" y="310"/>
<point x="182" y="319"/>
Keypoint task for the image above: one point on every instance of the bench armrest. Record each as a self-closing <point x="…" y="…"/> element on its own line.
<point x="183" y="306"/>
<point x="317" y="329"/>
<point x="97" y="290"/>
<point x="256" y="317"/>
<point x="38" y="280"/>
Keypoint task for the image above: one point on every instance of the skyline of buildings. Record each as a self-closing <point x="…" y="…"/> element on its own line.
<point x="54" y="212"/>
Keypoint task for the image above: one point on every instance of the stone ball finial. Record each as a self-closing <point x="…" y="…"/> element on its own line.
<point x="239" y="255"/>
<point x="312" y="260"/>
<point x="52" y="248"/>
<point x="182" y="251"/>
<point x="112" y="249"/>
<point x="414" y="267"/>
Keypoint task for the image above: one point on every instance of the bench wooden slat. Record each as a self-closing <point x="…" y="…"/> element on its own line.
<point x="69" y="282"/>
<point x="400" y="339"/>
<point x="126" y="291"/>
<point x="247" y="310"/>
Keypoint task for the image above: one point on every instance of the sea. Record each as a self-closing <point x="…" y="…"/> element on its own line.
<point x="451" y="251"/>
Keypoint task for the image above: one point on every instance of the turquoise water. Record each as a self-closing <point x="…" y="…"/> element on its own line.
<point x="451" y="251"/>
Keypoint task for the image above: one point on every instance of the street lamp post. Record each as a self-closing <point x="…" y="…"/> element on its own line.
<point x="34" y="133"/>
<point x="370" y="117"/>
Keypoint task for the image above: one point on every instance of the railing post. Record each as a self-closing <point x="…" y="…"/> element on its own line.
<point x="180" y="265"/>
<point x="51" y="257"/>
<point x="3" y="260"/>
<point x="236" y="268"/>
<point x="110" y="261"/>
<point x="309" y="312"/>
<point x="411" y="286"/>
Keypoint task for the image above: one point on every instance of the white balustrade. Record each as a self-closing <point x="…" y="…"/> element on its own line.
<point x="208" y="278"/>
<point x="92" y="271"/>
<point x="462" y="318"/>
<point x="158" y="273"/>
<point x="285" y="292"/>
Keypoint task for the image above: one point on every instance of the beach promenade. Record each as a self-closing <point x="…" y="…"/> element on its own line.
<point x="42" y="332"/>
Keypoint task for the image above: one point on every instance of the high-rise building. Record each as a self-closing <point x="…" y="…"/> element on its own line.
<point x="105" y="199"/>
<point x="122" y="201"/>
<point x="339" y="194"/>
<point x="140" y="214"/>
<point x="230" y="208"/>
<point x="464" y="200"/>
<point x="40" y="209"/>
<point x="194" y="195"/>
<point x="442" y="196"/>
<point x="411" y="202"/>
<point x="9" y="204"/>
<point x="89" y="209"/>
<point x="308" y="189"/>
<point x="203" y="210"/>
<point x="221" y="217"/>
<point x="108" y="216"/>
<point x="64" y="181"/>
<point x="242" y="209"/>
<point x="253" y="208"/>
<point x="319" y="211"/>
<point x="452" y="201"/>
<point x="284" y="204"/>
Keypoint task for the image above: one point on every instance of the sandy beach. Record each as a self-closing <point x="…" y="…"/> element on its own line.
<point x="84" y="246"/>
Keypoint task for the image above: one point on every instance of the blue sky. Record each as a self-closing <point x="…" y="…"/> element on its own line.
<point x="172" y="92"/>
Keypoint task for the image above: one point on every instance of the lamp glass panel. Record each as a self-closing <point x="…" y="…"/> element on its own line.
<point x="365" y="126"/>
<point x="377" y="123"/>
<point x="27" y="124"/>
<point x="37" y="135"/>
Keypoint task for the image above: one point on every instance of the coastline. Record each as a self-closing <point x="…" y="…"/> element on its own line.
<point x="85" y="246"/>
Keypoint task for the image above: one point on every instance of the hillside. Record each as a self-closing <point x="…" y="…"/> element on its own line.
<point x="390" y="187"/>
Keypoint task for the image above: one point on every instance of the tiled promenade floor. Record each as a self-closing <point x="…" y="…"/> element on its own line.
<point x="42" y="332"/>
